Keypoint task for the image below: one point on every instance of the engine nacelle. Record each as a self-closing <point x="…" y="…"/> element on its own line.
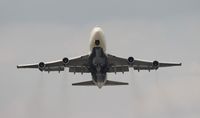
<point x="41" y="66"/>
<point x="155" y="64"/>
<point x="130" y="60"/>
<point x="65" y="60"/>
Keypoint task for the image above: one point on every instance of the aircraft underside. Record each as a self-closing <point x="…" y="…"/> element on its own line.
<point x="98" y="63"/>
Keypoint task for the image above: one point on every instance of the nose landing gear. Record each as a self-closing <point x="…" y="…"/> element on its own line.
<point x="97" y="42"/>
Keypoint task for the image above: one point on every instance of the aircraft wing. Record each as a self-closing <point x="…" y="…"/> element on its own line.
<point x="78" y="64"/>
<point x="124" y="64"/>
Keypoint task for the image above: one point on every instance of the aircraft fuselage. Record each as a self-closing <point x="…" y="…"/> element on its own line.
<point x="98" y="60"/>
<point x="98" y="63"/>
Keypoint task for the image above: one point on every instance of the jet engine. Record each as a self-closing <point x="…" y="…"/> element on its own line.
<point x="65" y="60"/>
<point x="155" y="64"/>
<point x="130" y="60"/>
<point x="41" y="66"/>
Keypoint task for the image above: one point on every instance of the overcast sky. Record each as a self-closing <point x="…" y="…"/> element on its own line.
<point x="44" y="30"/>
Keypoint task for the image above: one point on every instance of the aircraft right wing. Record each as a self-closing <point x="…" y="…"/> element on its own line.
<point x="78" y="64"/>
<point x="124" y="64"/>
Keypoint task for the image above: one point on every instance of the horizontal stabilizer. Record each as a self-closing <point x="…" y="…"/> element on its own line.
<point x="114" y="83"/>
<point x="108" y="83"/>
<point x="87" y="83"/>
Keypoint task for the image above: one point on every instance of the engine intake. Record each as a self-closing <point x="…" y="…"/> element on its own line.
<point x="41" y="66"/>
<point x="131" y="60"/>
<point x="65" y="60"/>
<point x="155" y="64"/>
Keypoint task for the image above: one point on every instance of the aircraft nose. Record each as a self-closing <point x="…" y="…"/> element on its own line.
<point x="97" y="28"/>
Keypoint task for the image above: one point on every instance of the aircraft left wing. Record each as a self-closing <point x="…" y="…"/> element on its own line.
<point x="124" y="63"/>
<point x="78" y="64"/>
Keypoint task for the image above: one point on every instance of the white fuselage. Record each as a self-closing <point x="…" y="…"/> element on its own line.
<point x="97" y="34"/>
<point x="98" y="57"/>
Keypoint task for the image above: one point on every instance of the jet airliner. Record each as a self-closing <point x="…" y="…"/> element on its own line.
<point x="98" y="63"/>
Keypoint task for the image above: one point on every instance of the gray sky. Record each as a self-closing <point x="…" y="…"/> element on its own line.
<point x="45" y="30"/>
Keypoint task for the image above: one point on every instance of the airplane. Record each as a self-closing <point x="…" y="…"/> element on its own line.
<point x="98" y="63"/>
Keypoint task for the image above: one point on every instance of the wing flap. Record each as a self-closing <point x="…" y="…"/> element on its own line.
<point x="118" y="69"/>
<point x="77" y="69"/>
<point x="54" y="68"/>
